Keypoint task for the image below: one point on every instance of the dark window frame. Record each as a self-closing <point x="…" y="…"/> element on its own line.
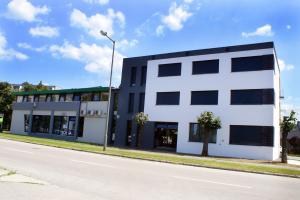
<point x="175" y="103"/>
<point x="133" y="73"/>
<point x="162" y="69"/>
<point x="253" y="63"/>
<point x="143" y="75"/>
<point x="141" y="101"/>
<point x="264" y="138"/>
<point x="131" y="103"/>
<point x="213" y="92"/>
<point x="207" y="64"/>
<point x="265" y="96"/>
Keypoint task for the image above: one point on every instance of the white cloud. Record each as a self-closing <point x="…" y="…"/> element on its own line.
<point x="24" y="45"/>
<point x="177" y="16"/>
<point x="285" y="67"/>
<point x="288" y="27"/>
<point x="101" y="2"/>
<point x="125" y="44"/>
<point x="160" y="30"/>
<point x="8" y="53"/>
<point x="97" y="59"/>
<point x="188" y="1"/>
<point x="44" y="31"/>
<point x="97" y="22"/>
<point x="265" y="30"/>
<point x="23" y="10"/>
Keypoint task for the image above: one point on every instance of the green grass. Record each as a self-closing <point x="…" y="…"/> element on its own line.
<point x="161" y="157"/>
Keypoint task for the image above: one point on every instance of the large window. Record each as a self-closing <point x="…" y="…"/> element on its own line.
<point x="69" y="97"/>
<point x="40" y="123"/>
<point x="42" y="98"/>
<point x="251" y="135"/>
<point x="96" y="96"/>
<point x="131" y="103"/>
<point x="76" y="97"/>
<point x="196" y="134"/>
<point x="143" y="75"/>
<point x="36" y="98"/>
<point x="62" y="97"/>
<point x="173" y="69"/>
<point x="25" y="98"/>
<point x="26" y="123"/>
<point x="254" y="63"/>
<point x="167" y="98"/>
<point x="141" y="102"/>
<point x="252" y="97"/>
<point x="104" y="96"/>
<point x="87" y="97"/>
<point x="49" y="98"/>
<point x="206" y="67"/>
<point x="133" y="76"/>
<point x="64" y="125"/>
<point x="204" y="97"/>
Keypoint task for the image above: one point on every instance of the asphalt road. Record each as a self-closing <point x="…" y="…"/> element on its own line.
<point x="78" y="175"/>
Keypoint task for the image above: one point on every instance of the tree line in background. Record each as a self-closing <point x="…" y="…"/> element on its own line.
<point x="7" y="97"/>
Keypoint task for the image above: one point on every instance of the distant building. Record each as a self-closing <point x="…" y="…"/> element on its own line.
<point x="19" y="87"/>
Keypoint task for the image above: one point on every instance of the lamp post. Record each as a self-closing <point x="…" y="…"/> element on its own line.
<point x="109" y="93"/>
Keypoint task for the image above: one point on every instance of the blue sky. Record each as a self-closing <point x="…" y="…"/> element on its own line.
<point x="59" y="43"/>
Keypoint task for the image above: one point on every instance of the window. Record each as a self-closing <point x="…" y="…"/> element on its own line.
<point x="173" y="69"/>
<point x="49" y="98"/>
<point x="62" y="97"/>
<point x="206" y="67"/>
<point x="128" y="132"/>
<point x="196" y="134"/>
<point x="141" y="102"/>
<point x="64" y="125"/>
<point x="42" y="98"/>
<point x="36" y="98"/>
<point x="76" y="97"/>
<point x="104" y="96"/>
<point x="131" y="102"/>
<point x="204" y="97"/>
<point x="96" y="97"/>
<point x="86" y="97"/>
<point x="167" y="98"/>
<point x="254" y="63"/>
<point x="143" y="75"/>
<point x="133" y="76"/>
<point x="55" y="98"/>
<point x="252" y="97"/>
<point x="40" y="123"/>
<point x="30" y="98"/>
<point x="251" y="135"/>
<point x="26" y="123"/>
<point x="69" y="97"/>
<point x="25" y="98"/>
<point x="80" y="127"/>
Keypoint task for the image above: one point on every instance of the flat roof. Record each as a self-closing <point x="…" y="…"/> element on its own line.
<point x="64" y="91"/>
<point x="244" y="47"/>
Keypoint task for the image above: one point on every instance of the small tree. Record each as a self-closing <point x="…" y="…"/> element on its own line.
<point x="141" y="119"/>
<point x="287" y="125"/>
<point x="208" y="122"/>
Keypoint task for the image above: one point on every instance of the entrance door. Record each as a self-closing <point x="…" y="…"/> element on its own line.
<point x="166" y="135"/>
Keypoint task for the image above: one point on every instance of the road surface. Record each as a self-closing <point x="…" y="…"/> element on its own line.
<point x="76" y="175"/>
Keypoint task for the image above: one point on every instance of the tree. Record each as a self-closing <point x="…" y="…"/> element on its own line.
<point x="141" y="119"/>
<point x="208" y="122"/>
<point x="41" y="87"/>
<point x="27" y="87"/>
<point x="6" y="99"/>
<point x="287" y="125"/>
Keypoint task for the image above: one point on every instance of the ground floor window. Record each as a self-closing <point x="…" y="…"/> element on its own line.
<point x="26" y="123"/>
<point x="251" y="135"/>
<point x="64" y="125"/>
<point x="80" y="127"/>
<point x="40" y="123"/>
<point x="196" y="134"/>
<point x="166" y="135"/>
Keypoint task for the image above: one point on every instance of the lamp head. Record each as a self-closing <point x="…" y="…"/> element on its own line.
<point x="103" y="33"/>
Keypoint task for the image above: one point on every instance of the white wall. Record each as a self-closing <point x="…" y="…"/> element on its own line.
<point x="17" y="122"/>
<point x="224" y="81"/>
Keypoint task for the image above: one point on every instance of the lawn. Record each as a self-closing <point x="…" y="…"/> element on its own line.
<point x="211" y="162"/>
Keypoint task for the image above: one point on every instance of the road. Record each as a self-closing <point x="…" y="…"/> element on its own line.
<point x="79" y="175"/>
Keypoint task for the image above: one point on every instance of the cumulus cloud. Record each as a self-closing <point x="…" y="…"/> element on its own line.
<point x="44" y="31"/>
<point x="285" y="67"/>
<point x="93" y="24"/>
<point x="265" y="30"/>
<point x="126" y="44"/>
<point x="101" y="2"/>
<point x="8" y="53"/>
<point x="178" y="14"/>
<point x="97" y="59"/>
<point x="23" y="10"/>
<point x="25" y="45"/>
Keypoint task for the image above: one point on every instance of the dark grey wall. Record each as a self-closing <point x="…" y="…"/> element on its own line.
<point x="123" y="115"/>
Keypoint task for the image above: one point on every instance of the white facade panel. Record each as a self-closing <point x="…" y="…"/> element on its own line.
<point x="224" y="82"/>
<point x="17" y="121"/>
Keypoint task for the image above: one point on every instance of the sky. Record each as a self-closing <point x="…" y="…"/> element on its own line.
<point x="58" y="42"/>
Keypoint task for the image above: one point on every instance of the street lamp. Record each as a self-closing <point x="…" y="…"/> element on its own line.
<point x="109" y="94"/>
